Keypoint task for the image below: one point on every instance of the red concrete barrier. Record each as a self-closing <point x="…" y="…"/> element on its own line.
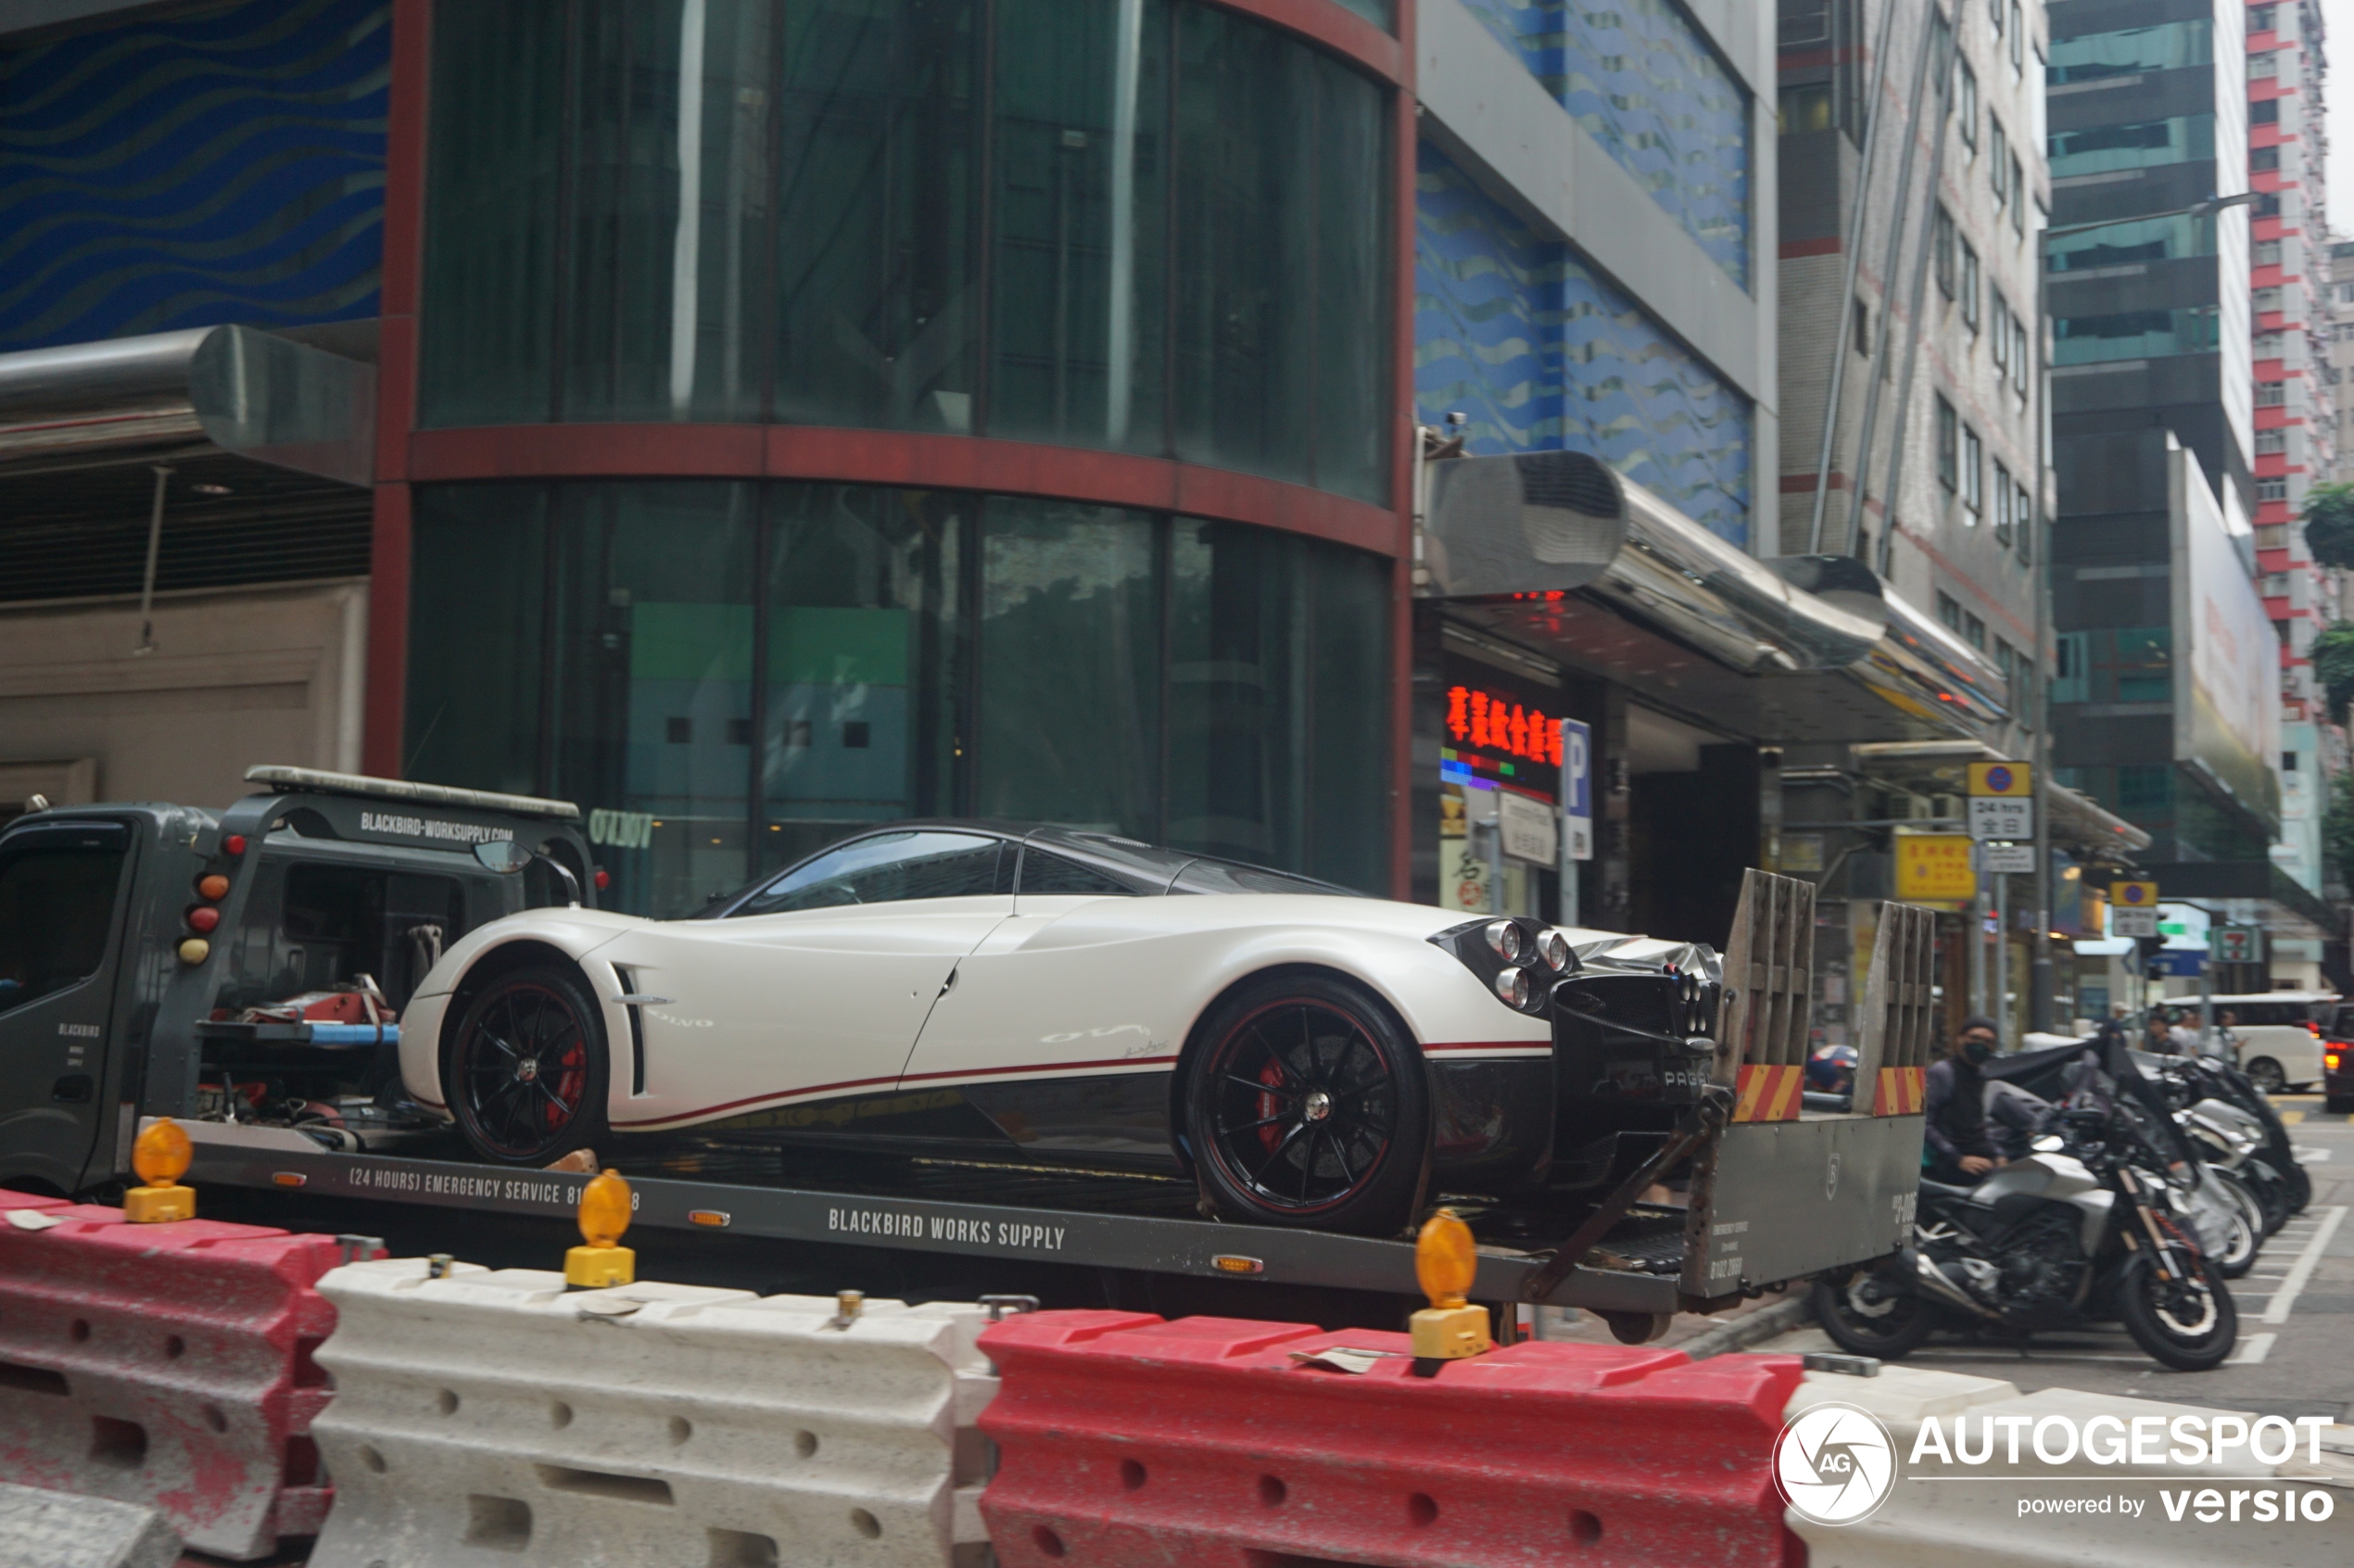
<point x="168" y="1365"/>
<point x="1125" y="1441"/>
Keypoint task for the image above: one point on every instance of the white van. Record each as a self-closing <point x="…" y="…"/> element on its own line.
<point x="2278" y="1034"/>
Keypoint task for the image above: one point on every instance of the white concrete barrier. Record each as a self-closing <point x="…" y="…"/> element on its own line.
<point x="1946" y="1508"/>
<point x="42" y="1529"/>
<point x="497" y="1418"/>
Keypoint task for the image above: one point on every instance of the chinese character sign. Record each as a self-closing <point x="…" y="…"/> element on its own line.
<point x="1489" y="723"/>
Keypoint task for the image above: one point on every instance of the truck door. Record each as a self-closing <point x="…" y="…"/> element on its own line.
<point x="61" y="888"/>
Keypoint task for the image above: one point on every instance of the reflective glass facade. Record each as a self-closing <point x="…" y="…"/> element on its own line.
<point x="1540" y="352"/>
<point x="1649" y="88"/>
<point x="1151" y="226"/>
<point x="726" y="676"/>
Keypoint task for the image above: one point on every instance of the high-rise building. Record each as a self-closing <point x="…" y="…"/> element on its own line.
<point x="2167" y="695"/>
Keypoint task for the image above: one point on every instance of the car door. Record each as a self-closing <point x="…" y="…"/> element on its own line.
<point x="796" y="1010"/>
<point x="1066" y="1046"/>
<point x="60" y="926"/>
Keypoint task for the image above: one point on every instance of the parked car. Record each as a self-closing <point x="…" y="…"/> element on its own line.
<point x="1309" y="1056"/>
<point x="2337" y="1060"/>
<point x="2279" y="1035"/>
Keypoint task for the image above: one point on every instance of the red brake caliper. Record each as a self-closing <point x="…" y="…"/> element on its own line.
<point x="570" y="1083"/>
<point x="1269" y="1107"/>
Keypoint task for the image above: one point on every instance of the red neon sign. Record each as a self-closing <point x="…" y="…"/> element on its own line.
<point x="1475" y="718"/>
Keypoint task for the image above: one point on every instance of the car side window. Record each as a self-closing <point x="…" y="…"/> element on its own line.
<point x="57" y="908"/>
<point x="1044" y="873"/>
<point x="886" y="868"/>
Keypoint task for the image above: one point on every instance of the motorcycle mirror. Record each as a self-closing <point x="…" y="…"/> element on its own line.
<point x="2050" y="1142"/>
<point x="503" y="855"/>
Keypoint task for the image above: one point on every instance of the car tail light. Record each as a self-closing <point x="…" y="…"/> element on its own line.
<point x="1506" y="939"/>
<point x="604" y="878"/>
<point x="1513" y="986"/>
<point x="203" y="917"/>
<point x="2314" y="1030"/>
<point x="234" y="844"/>
<point x="2330" y="1061"/>
<point x="1553" y="948"/>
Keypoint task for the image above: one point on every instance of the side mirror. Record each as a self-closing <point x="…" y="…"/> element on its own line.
<point x="503" y="855"/>
<point x="2050" y="1142"/>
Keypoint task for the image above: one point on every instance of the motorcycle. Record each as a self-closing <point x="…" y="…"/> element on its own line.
<point x="2229" y="1110"/>
<point x="2089" y="1225"/>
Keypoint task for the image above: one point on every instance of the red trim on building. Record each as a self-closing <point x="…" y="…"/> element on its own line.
<point x="397" y="386"/>
<point x="1343" y="31"/>
<point x="894" y="457"/>
<point x="1828" y="244"/>
<point x="1803" y="484"/>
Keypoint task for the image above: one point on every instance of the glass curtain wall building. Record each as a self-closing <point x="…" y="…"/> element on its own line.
<point x="1131" y="229"/>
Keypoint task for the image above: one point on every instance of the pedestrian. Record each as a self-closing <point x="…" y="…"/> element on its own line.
<point x="2224" y="1044"/>
<point x="2158" y="1036"/>
<point x="1956" y="1145"/>
<point x="2184" y="1034"/>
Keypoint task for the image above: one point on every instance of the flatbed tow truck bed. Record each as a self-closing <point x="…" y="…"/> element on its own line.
<point x="1141" y="1224"/>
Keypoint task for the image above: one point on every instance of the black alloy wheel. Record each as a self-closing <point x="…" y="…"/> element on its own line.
<point x="2187" y="1321"/>
<point x="1305" y="1105"/>
<point x="525" y="1069"/>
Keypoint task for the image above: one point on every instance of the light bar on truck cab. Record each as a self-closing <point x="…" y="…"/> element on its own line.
<point x="400" y="789"/>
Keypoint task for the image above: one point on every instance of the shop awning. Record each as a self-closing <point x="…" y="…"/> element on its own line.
<point x="1547" y="546"/>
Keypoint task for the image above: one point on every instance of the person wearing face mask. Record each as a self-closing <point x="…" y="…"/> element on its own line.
<point x="1957" y="1147"/>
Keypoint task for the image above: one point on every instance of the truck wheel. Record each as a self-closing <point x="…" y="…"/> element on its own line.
<point x="525" y="1069"/>
<point x="1305" y="1106"/>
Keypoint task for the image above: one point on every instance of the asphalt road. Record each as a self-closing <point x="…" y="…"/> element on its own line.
<point x="2296" y="1354"/>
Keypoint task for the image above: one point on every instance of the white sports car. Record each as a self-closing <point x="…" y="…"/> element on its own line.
<point x="1308" y="1055"/>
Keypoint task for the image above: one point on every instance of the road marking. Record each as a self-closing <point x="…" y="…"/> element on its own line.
<point x="2302" y="1269"/>
<point x="2291" y="1117"/>
<point x="2305" y="1155"/>
<point x="2253" y="1349"/>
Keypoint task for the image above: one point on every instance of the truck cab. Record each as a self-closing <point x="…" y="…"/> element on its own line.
<point x="155" y="959"/>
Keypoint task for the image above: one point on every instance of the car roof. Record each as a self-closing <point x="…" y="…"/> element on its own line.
<point x="1148" y="869"/>
<point x="2259" y="996"/>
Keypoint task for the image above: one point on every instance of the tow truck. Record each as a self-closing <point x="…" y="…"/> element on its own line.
<point x="242" y="971"/>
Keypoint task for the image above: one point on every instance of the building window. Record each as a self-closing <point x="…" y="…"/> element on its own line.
<point x="2268" y="441"/>
<point x="2267" y="253"/>
<point x="2134" y="335"/>
<point x="2264" y="111"/>
<point x="2266" y="206"/>
<point x="2018" y="39"/>
<point x="2345" y="292"/>
<point x="2270" y="394"/>
<point x="1973" y="478"/>
<point x="2003" y="493"/>
<point x="2006" y="661"/>
<point x="1862" y="329"/>
<point x="1193" y="263"/>
<point x="1965" y="103"/>
<point x="2072" y="667"/>
<point x="2270" y="345"/>
<point x="2268" y="300"/>
<point x="1974" y="632"/>
<point x="1803" y="108"/>
<point x="2263" y="68"/>
<point x="1949" y="445"/>
<point x="2146" y="786"/>
<point x="2018" y="208"/>
<point x="1949" y="609"/>
<point x="1969" y="287"/>
<point x="2264" y="160"/>
<point x="2102" y="150"/>
<point x="1946" y="241"/>
<point x="870" y="653"/>
<point x="2259" y="18"/>
<point x="2274" y="489"/>
<point x="2094" y="57"/>
<point x="1999" y="339"/>
<point x="2020" y="354"/>
<point x="1998" y="161"/>
<point x="2023" y="520"/>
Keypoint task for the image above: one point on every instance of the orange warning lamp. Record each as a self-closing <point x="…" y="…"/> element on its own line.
<point x="1446" y="1263"/>
<point x="604" y="1215"/>
<point x="160" y="1154"/>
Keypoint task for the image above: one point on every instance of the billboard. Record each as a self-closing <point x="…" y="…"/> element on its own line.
<point x="2227" y="705"/>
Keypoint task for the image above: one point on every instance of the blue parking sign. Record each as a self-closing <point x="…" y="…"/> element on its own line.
<point x="1577" y="789"/>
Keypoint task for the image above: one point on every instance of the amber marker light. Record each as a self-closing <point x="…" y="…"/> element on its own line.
<point x="1444" y="1264"/>
<point x="604" y="1217"/>
<point x="160" y="1154"/>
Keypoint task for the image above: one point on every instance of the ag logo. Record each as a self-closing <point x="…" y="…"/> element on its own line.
<point x="1835" y="1463"/>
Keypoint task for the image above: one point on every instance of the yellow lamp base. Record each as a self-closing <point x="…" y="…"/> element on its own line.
<point x="159" y="1205"/>
<point x="594" y="1268"/>
<point x="1451" y="1334"/>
